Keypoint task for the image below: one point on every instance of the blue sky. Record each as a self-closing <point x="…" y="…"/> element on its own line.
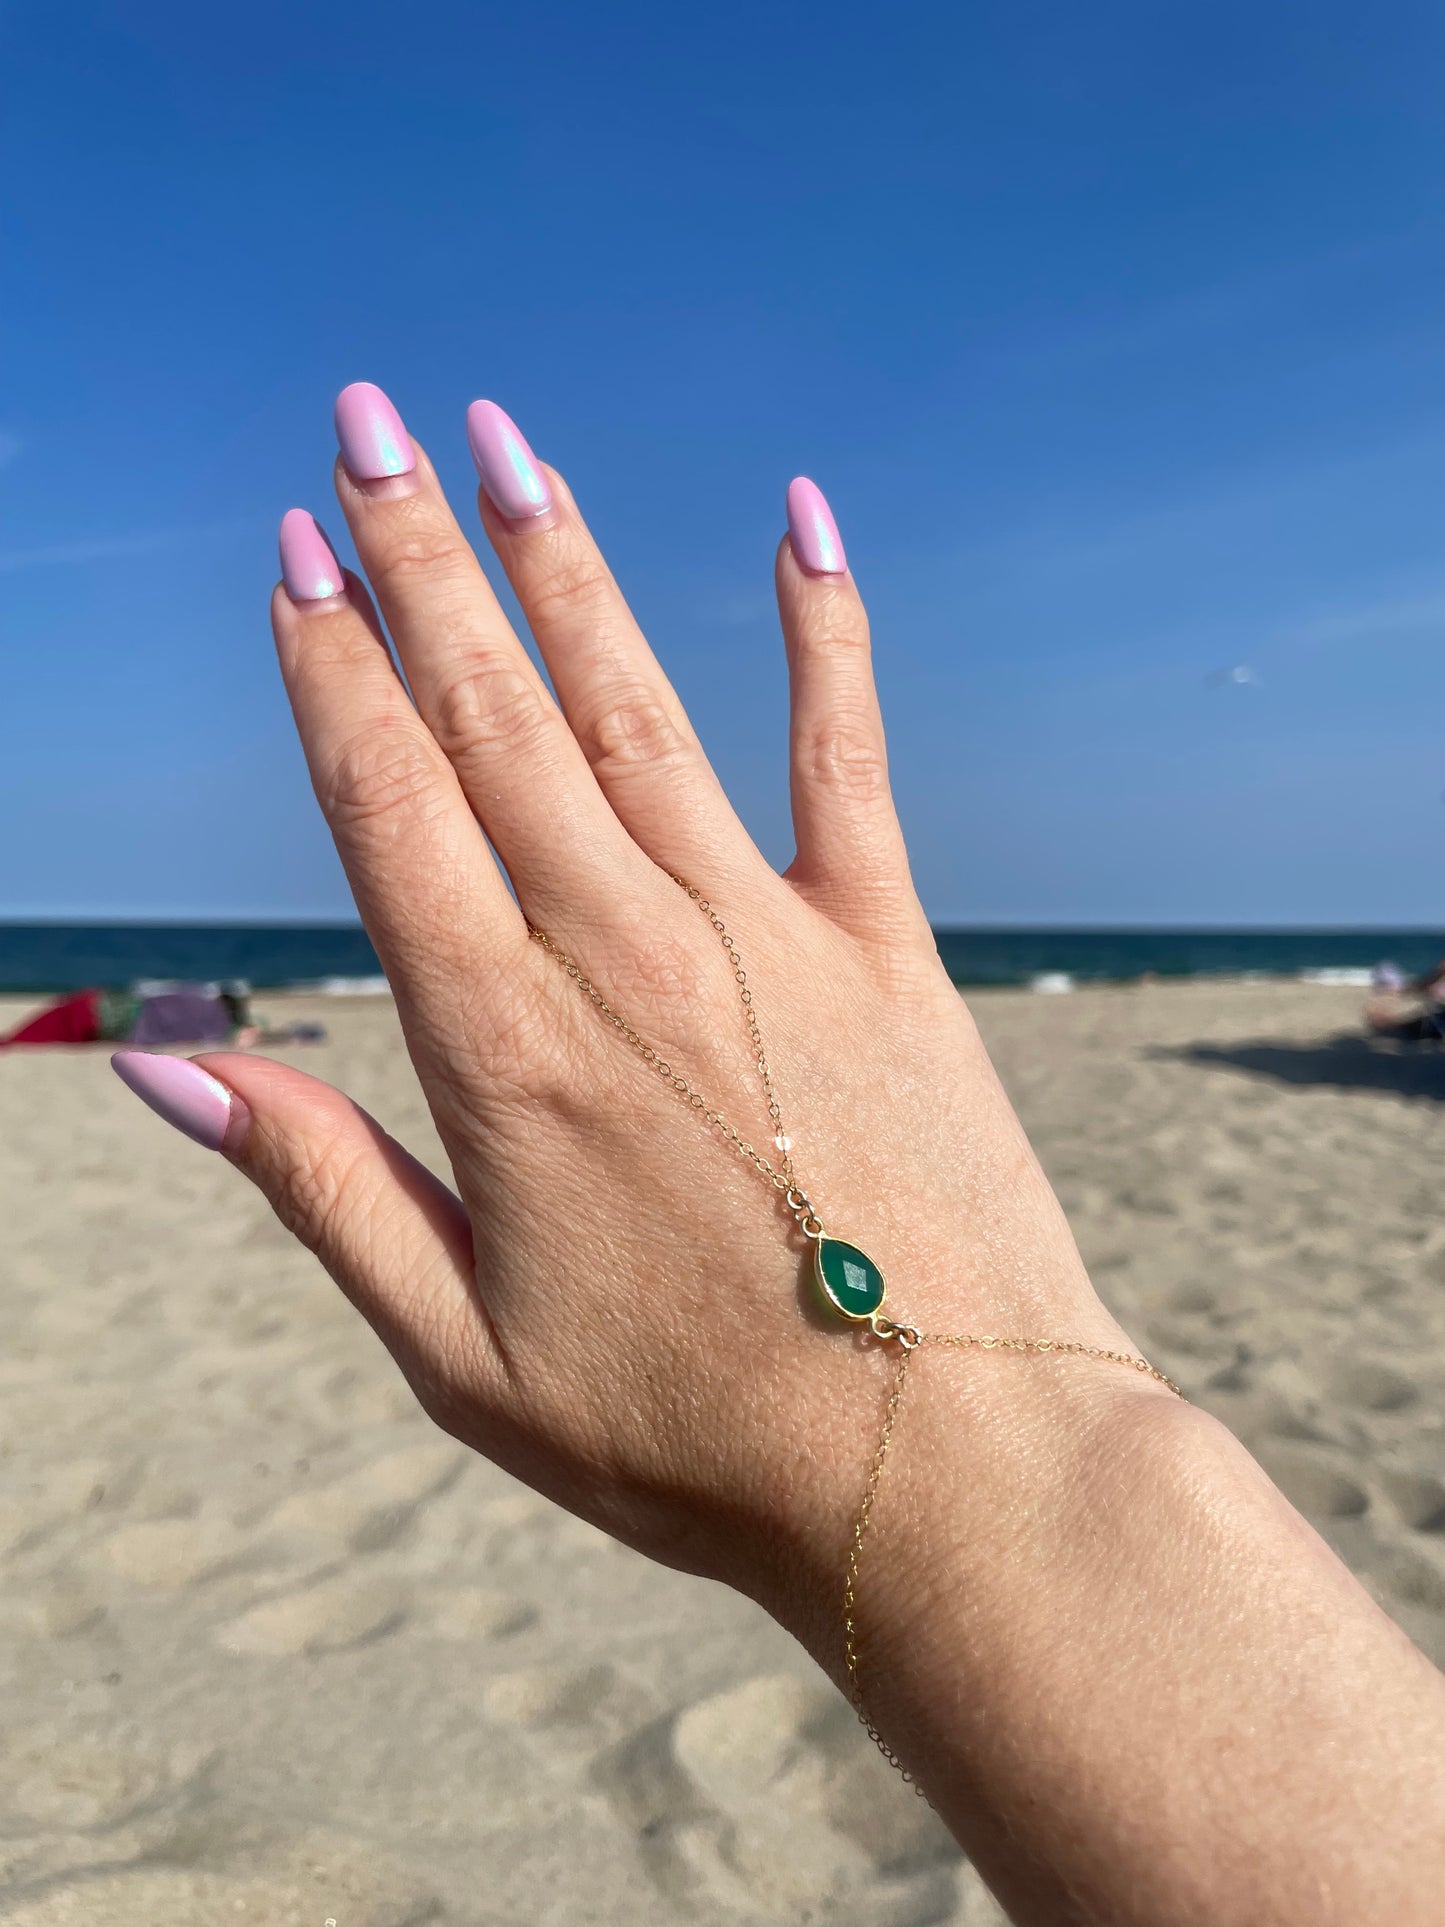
<point x="1113" y="335"/>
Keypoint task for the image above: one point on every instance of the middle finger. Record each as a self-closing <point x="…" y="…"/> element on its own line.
<point x="519" y="764"/>
<point x="621" y="708"/>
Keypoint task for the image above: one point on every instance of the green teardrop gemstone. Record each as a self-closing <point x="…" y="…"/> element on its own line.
<point x="849" y="1279"/>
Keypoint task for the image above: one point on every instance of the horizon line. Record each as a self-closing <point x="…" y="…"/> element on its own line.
<point x="99" y="920"/>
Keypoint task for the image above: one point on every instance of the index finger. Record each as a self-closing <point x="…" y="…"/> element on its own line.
<point x="429" y="891"/>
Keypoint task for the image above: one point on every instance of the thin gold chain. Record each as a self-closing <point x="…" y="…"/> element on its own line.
<point x="911" y="1339"/>
<point x="781" y="1177"/>
<point x="855" y="1554"/>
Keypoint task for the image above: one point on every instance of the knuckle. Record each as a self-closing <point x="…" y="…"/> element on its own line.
<point x="837" y="627"/>
<point x="845" y="755"/>
<point x="483" y="703"/>
<point x="410" y="551"/>
<point x="376" y="774"/>
<point x="323" y="1199"/>
<point x="572" y="588"/>
<point x="633" y="728"/>
<point x="503" y="1054"/>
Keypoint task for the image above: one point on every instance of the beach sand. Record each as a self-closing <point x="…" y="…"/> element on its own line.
<point x="275" y="1650"/>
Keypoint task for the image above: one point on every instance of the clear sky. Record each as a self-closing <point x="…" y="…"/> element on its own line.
<point x="1113" y="334"/>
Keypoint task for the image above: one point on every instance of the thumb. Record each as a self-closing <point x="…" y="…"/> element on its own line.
<point x="395" y="1239"/>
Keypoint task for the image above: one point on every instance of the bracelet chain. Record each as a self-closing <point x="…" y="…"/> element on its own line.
<point x="781" y="1177"/>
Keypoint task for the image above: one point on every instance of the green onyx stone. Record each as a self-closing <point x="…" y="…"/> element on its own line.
<point x="848" y="1278"/>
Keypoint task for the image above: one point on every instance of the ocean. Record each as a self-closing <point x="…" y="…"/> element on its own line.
<point x="339" y="957"/>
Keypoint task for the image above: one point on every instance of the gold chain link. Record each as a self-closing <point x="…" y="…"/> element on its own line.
<point x="782" y="1177"/>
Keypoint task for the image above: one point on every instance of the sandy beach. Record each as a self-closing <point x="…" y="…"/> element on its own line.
<point x="275" y="1650"/>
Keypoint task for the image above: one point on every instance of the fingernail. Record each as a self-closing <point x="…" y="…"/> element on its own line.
<point x="179" y="1091"/>
<point x="508" y="468"/>
<point x="308" y="567"/>
<point x="373" y="441"/>
<point x="812" y="530"/>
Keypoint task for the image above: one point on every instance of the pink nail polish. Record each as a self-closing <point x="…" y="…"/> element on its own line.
<point x="812" y="530"/>
<point x="308" y="567"/>
<point x="373" y="441"/>
<point x="508" y="468"/>
<point x="179" y="1091"/>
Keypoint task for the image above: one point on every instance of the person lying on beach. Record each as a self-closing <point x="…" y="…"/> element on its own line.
<point x="1411" y="1010"/>
<point x="1136" y="1685"/>
<point x="187" y="1015"/>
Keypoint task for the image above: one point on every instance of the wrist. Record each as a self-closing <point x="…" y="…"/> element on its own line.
<point x="988" y="1448"/>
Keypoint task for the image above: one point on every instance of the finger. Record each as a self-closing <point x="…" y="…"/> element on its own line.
<point x="618" y="703"/>
<point x="851" y="860"/>
<point x="477" y="690"/>
<point x="391" y="1235"/>
<point x="429" y="893"/>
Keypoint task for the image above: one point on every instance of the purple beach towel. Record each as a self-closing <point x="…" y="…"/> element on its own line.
<point x="181" y="1017"/>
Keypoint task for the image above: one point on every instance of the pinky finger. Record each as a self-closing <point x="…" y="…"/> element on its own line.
<point x="851" y="861"/>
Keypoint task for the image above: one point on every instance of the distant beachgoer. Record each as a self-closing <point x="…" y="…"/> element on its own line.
<point x="187" y="1014"/>
<point x="1411" y="1010"/>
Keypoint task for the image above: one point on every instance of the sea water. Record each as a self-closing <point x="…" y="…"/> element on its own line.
<point x="338" y="959"/>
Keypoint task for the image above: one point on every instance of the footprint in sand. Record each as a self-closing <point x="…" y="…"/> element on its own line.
<point x="1374" y="1387"/>
<point x="1416" y="1574"/>
<point x="373" y="1506"/>
<point x="1234" y="1379"/>
<point x="767" y="1799"/>
<point x="174" y="1553"/>
<point x="327" y="1618"/>
<point x="549" y="1695"/>
<point x="43" y="1502"/>
<point x="744" y="1738"/>
<point x="307" y="1884"/>
<point x="1419" y="1499"/>
<point x="75" y="1786"/>
<point x="1312" y="1483"/>
<point x="61" y="1609"/>
<point x="1184" y="1338"/>
<point x="1195" y="1299"/>
<point x="18" y="1525"/>
<point x="469" y="1613"/>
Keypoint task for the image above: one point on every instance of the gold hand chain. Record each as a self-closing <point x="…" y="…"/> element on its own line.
<point x="850" y="1282"/>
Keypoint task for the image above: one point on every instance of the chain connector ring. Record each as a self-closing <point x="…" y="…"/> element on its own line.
<point x="908" y="1336"/>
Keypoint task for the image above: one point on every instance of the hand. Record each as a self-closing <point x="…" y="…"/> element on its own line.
<point x="616" y="1307"/>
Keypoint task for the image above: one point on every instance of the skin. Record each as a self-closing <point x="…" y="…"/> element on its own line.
<point x="1134" y="1682"/>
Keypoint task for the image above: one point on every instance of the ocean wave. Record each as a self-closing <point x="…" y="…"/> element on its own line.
<point x="342" y="987"/>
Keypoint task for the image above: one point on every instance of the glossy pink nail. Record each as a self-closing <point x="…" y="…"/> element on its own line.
<point x="812" y="530"/>
<point x="179" y="1091"/>
<point x="308" y="567"/>
<point x="508" y="468"/>
<point x="373" y="441"/>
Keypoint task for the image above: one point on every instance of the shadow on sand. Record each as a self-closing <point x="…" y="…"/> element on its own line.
<point x="1348" y="1062"/>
